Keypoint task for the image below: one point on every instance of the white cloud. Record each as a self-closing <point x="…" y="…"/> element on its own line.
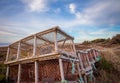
<point x="97" y="13"/>
<point x="36" y="5"/>
<point x="80" y="17"/>
<point x="72" y="8"/>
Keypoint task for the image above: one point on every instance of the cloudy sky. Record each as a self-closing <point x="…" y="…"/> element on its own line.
<point x="82" y="19"/>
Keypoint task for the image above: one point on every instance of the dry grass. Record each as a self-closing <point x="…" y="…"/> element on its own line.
<point x="112" y="55"/>
<point x="109" y="68"/>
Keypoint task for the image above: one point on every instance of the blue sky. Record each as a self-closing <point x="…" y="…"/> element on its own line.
<point x="82" y="19"/>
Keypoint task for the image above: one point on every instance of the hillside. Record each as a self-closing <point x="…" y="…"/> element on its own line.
<point x="109" y="66"/>
<point x="110" y="42"/>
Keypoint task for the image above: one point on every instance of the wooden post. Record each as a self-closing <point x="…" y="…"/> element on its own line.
<point x="8" y="51"/>
<point x="7" y="73"/>
<point x="61" y="69"/>
<point x="80" y="76"/>
<point x="18" y="51"/>
<point x="73" y="46"/>
<point x="36" y="72"/>
<point x="87" y="58"/>
<point x="85" y="79"/>
<point x="94" y="54"/>
<point x="56" y="45"/>
<point x="97" y="53"/>
<point x="34" y="46"/>
<point x="19" y="73"/>
<point x="81" y="63"/>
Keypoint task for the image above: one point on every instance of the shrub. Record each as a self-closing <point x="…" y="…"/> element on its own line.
<point x="105" y="65"/>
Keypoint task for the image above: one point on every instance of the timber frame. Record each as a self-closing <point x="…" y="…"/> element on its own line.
<point x="46" y="45"/>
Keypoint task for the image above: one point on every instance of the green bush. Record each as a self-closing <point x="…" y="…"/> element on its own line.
<point x="115" y="39"/>
<point x="86" y="42"/>
<point x="98" y="40"/>
<point x="105" y="65"/>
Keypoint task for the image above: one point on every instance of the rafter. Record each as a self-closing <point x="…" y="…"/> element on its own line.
<point x="46" y="40"/>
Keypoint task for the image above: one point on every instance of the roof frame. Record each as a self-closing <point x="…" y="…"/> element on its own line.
<point x="56" y="28"/>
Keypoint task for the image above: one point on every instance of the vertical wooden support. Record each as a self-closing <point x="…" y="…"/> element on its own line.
<point x="61" y="69"/>
<point x="85" y="79"/>
<point x="87" y="58"/>
<point x="73" y="46"/>
<point x="8" y="51"/>
<point x="19" y="73"/>
<point x="18" y="51"/>
<point x="80" y="76"/>
<point x="92" y="56"/>
<point x="81" y="63"/>
<point x="97" y="53"/>
<point x="34" y="45"/>
<point x="55" y="38"/>
<point x="78" y="66"/>
<point x="7" y="73"/>
<point x="94" y="53"/>
<point x="36" y="72"/>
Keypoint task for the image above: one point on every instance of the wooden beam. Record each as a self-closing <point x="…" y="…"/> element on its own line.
<point x="7" y="73"/>
<point x="13" y="47"/>
<point x="46" y="31"/>
<point x="80" y="61"/>
<point x="18" y="51"/>
<point x="69" y="59"/>
<point x="85" y="78"/>
<point x="36" y="72"/>
<point x="46" y="40"/>
<point x="14" y="44"/>
<point x="55" y="40"/>
<point x="79" y="72"/>
<point x="73" y="46"/>
<point x="63" y="39"/>
<point x="8" y="52"/>
<point x="65" y="34"/>
<point x="24" y="39"/>
<point x="87" y="58"/>
<point x="93" y="61"/>
<point x="28" y="38"/>
<point x="26" y="44"/>
<point x="32" y="59"/>
<point x="94" y="53"/>
<point x="64" y="42"/>
<point x="61" y="69"/>
<point x="19" y="73"/>
<point x="34" y="45"/>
